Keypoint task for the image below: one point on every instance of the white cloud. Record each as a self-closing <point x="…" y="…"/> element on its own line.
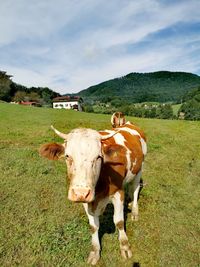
<point x="35" y="19"/>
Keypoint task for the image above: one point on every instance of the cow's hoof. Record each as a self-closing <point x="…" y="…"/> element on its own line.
<point x="125" y="249"/>
<point x="93" y="257"/>
<point x="134" y="217"/>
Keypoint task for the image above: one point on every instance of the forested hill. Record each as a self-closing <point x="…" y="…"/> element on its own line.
<point x="161" y="86"/>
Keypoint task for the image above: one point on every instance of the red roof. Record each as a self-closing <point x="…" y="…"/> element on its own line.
<point x="27" y="103"/>
<point x="66" y="98"/>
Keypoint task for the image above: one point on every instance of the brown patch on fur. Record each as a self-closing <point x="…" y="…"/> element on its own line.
<point x="110" y="181"/>
<point x="114" y="154"/>
<point x="109" y="141"/>
<point x="134" y="127"/>
<point x="121" y="192"/>
<point x="120" y="225"/>
<point x="94" y="248"/>
<point x="132" y="142"/>
<point x="134" y="145"/>
<point x="103" y="132"/>
<point x="92" y="229"/>
<point x="52" y="151"/>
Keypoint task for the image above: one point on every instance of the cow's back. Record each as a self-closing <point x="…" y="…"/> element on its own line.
<point x="131" y="137"/>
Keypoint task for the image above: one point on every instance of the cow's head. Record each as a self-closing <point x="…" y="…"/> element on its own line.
<point x="82" y="150"/>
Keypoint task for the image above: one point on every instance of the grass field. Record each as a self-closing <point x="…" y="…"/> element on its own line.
<point x="40" y="227"/>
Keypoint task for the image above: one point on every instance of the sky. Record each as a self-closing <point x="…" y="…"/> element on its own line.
<point x="69" y="45"/>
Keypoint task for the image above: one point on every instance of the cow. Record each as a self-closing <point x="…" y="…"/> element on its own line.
<point x="117" y="119"/>
<point x="99" y="164"/>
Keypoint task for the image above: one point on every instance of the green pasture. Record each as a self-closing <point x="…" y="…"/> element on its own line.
<point x="40" y="227"/>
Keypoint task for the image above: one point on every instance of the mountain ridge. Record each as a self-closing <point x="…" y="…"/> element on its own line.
<point x="161" y="86"/>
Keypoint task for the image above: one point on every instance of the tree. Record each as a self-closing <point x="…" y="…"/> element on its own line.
<point x="46" y="97"/>
<point x="88" y="108"/>
<point x="191" y="108"/>
<point x="19" y="96"/>
<point x="152" y="112"/>
<point x="164" y="111"/>
<point x="116" y="102"/>
<point x="5" y="88"/>
<point x="33" y="96"/>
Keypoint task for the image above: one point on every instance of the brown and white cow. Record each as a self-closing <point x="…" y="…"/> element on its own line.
<point x="99" y="164"/>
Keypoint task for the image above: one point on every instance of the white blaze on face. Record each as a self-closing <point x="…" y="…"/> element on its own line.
<point x="83" y="149"/>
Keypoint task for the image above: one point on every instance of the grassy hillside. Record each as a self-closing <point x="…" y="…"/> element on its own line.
<point x="40" y="227"/>
<point x="161" y="86"/>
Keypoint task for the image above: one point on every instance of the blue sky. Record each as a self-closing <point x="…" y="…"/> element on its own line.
<point x="69" y="45"/>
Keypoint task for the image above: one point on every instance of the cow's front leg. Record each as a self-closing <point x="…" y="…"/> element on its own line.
<point x="94" y="224"/>
<point x="118" y="203"/>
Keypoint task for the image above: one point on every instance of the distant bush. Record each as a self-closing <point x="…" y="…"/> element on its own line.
<point x="88" y="108"/>
<point x="164" y="111"/>
<point x="191" y="108"/>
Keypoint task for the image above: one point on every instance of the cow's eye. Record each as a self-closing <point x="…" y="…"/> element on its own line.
<point x="99" y="157"/>
<point x="67" y="156"/>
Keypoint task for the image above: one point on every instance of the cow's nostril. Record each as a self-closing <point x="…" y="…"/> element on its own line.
<point x="81" y="194"/>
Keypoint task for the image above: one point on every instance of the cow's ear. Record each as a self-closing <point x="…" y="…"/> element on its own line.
<point x="52" y="151"/>
<point x="114" y="154"/>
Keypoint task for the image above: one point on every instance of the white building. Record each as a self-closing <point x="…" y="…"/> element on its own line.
<point x="68" y="102"/>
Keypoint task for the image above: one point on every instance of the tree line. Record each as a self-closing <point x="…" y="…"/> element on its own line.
<point x="145" y="110"/>
<point x="189" y="109"/>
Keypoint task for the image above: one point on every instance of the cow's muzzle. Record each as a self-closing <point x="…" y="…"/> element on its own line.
<point x="79" y="194"/>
